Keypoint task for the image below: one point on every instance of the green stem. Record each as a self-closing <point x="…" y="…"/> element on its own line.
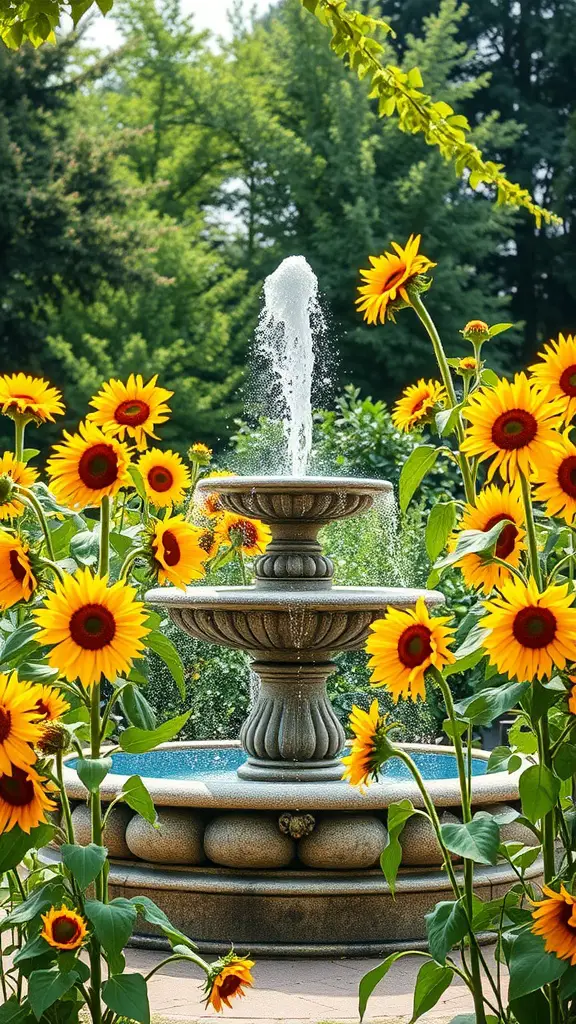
<point x="242" y="565"/>
<point x="55" y="569"/>
<point x="544" y="754"/>
<point x="506" y="565"/>
<point x="104" y="562"/>
<point x="32" y="500"/>
<point x="531" y="531"/>
<point x="64" y="796"/>
<point x="567" y="560"/>
<point x="19" y="429"/>
<point x="130" y="558"/>
<point x="172" y="959"/>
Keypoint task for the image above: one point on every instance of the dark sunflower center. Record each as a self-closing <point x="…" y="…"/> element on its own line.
<point x="394" y="279"/>
<point x="5" y="724"/>
<point x="171" y="548"/>
<point x="160" y="478"/>
<point x="514" y="429"/>
<point x="132" y="413"/>
<point x="418" y="405"/>
<point x="507" y="539"/>
<point x="230" y="985"/>
<point x="16" y="789"/>
<point x="98" y="467"/>
<point x="534" y="627"/>
<point x="568" y="381"/>
<point x="40" y="708"/>
<point x="18" y="570"/>
<point x="92" y="627"/>
<point x="414" y="645"/>
<point x="65" y="929"/>
<point x="567" y="475"/>
<point x="246" y="532"/>
<point x="206" y="540"/>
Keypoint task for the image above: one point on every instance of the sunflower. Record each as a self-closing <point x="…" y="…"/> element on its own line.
<point x="403" y="645"/>
<point x="24" y="800"/>
<point x="366" y="755"/>
<point x="94" y="629"/>
<point x="555" y="921"/>
<point x="512" y="423"/>
<point x="555" y="479"/>
<point x="64" y="928"/>
<point x="178" y="555"/>
<point x="17" y="580"/>
<point x="572" y="696"/>
<point x="49" y="703"/>
<point x="555" y="374"/>
<point x="476" y="330"/>
<point x="133" y="408"/>
<point x="17" y="473"/>
<point x="530" y="632"/>
<point x="89" y="466"/>
<point x="30" y="397"/>
<point x="166" y="479"/>
<point x="19" y="726"/>
<point x="493" y="506"/>
<point x="386" y="281"/>
<point x="227" y="979"/>
<point x="467" y="365"/>
<point x="249" y="535"/>
<point x="208" y="541"/>
<point x="211" y="504"/>
<point x="200" y="454"/>
<point x="417" y="404"/>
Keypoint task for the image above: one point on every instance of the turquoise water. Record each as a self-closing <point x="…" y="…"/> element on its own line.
<point x="213" y="762"/>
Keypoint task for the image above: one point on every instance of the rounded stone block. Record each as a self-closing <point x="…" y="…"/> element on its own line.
<point x="177" y="840"/>
<point x="248" y="841"/>
<point x="114" y="837"/>
<point x="419" y="843"/>
<point x="344" y="841"/>
<point x="511" y="831"/>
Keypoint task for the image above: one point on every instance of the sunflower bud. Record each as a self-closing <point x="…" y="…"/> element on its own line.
<point x="476" y="330"/>
<point x="200" y="454"/>
<point x="6" y="488"/>
<point x="55" y="739"/>
<point x="467" y="366"/>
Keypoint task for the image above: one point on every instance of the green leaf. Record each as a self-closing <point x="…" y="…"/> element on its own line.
<point x="446" y="419"/>
<point x="92" y="771"/>
<point x="113" y="922"/>
<point x="417" y="465"/>
<point x="166" y="651"/>
<point x="151" y="913"/>
<point x="18" y="640"/>
<point x="441" y="522"/>
<point x="135" y="794"/>
<point x="46" y="987"/>
<point x="15" y="1012"/>
<point x="531" y="1009"/>
<point x="36" y="672"/>
<point x="464" y="664"/>
<point x="84" y="862"/>
<point x="486" y="705"/>
<point x="446" y="925"/>
<point x="34" y="948"/>
<point x="48" y="895"/>
<point x="498" y="328"/>
<point x="139" y="741"/>
<point x="531" y="966"/>
<point x="473" y="542"/>
<point x="127" y="995"/>
<point x="14" y="845"/>
<point x="473" y="643"/>
<point x="85" y="547"/>
<point x="373" y="978"/>
<point x="503" y="760"/>
<point x="565" y="761"/>
<point x="539" y="790"/>
<point x="391" y="857"/>
<point x="133" y="470"/>
<point x="137" y="709"/>
<point x="476" y="840"/>
<point x="431" y="982"/>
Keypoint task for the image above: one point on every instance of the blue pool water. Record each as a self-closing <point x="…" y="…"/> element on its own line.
<point x="212" y="762"/>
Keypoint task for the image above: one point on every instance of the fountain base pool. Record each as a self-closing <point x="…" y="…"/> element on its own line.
<point x="282" y="868"/>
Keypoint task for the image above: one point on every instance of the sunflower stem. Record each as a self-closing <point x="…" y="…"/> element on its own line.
<point x="130" y="558"/>
<point x="32" y="500"/>
<point x="531" y="531"/>
<point x="104" y="562"/>
<point x="64" y="796"/>
<point x="55" y="569"/>
<point x="19" y="429"/>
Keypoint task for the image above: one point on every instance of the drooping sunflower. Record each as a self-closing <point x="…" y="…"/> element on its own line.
<point x="88" y="466"/>
<point x="365" y="757"/>
<point x="24" y="800"/>
<point x="49" y="704"/>
<point x="572" y="696"/>
<point x="555" y="479"/>
<point x="403" y="645"/>
<point x="178" y="555"/>
<point x="18" y="473"/>
<point x="493" y="506"/>
<point x="211" y="504"/>
<point x="387" y="279"/>
<point x="530" y="632"/>
<point x="555" y="921"/>
<point x="209" y="542"/>
<point x="417" y="404"/>
<point x="555" y="374"/>
<point x="227" y="979"/>
<point x="94" y="629"/>
<point x="512" y="425"/>
<point x="248" y="535"/>
<point x="133" y="408"/>
<point x="19" y="726"/>
<point x="64" y="928"/>
<point x="31" y="397"/>
<point x="166" y="479"/>
<point x="17" y="579"/>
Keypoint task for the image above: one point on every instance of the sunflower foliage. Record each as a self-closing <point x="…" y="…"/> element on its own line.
<point x="78" y="550"/>
<point x="512" y="540"/>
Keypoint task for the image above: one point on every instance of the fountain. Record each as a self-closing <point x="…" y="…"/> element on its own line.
<point x="262" y="843"/>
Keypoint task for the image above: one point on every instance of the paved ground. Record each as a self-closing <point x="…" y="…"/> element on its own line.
<point x="299" y="992"/>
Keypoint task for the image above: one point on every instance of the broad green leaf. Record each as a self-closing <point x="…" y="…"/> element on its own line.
<point x="568" y="984"/>
<point x="521" y="738"/>
<point x="92" y="771"/>
<point x="84" y="862"/>
<point x="446" y="420"/>
<point x="441" y="522"/>
<point x="14" y="845"/>
<point x="539" y="790"/>
<point x="473" y="542"/>
<point x="391" y="857"/>
<point x="18" y="640"/>
<point x="139" y="741"/>
<point x="85" y="547"/>
<point x="47" y="895"/>
<point x="113" y="922"/>
<point x="531" y="966"/>
<point x="565" y="761"/>
<point x="431" y="982"/>
<point x="36" y="672"/>
<point x="464" y="664"/>
<point x="34" y="948"/>
<point x="15" y="1012"/>
<point x="486" y="705"/>
<point x="165" y="649"/>
<point x="498" y="328"/>
<point x="503" y="760"/>
<point x="127" y="995"/>
<point x="137" y="709"/>
<point x="417" y="465"/>
<point x="531" y="1009"/>
<point x="373" y="978"/>
<point x="473" y="643"/>
<point x="151" y="913"/>
<point x="446" y="925"/>
<point x="46" y="987"/>
<point x="489" y="378"/>
<point x="135" y="794"/>
<point x="476" y="840"/>
<point x="133" y="470"/>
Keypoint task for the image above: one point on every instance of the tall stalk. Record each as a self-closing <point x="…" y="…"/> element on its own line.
<point x="531" y="532"/>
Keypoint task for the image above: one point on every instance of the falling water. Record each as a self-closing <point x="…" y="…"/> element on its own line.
<point x="285" y="339"/>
